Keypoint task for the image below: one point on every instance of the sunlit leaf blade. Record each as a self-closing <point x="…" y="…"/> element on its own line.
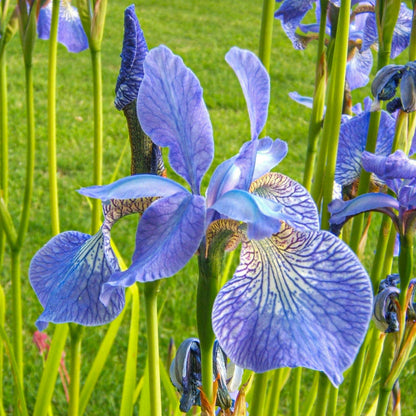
<point x="255" y="84"/>
<point x="296" y="299"/>
<point x="136" y="186"/>
<point x="297" y="204"/>
<point x="168" y="235"/>
<point x="67" y="275"/>
<point x="173" y="114"/>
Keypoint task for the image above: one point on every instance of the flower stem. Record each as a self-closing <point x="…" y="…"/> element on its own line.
<point x="129" y="385"/>
<point x="296" y="385"/>
<point x="315" y="123"/>
<point x="151" y="290"/>
<point x="266" y="32"/>
<point x="4" y="159"/>
<point x="323" y="395"/>
<point x="332" y="122"/>
<point x="52" y="165"/>
<point x="98" y="135"/>
<point x="50" y="371"/>
<point x="259" y="394"/>
<point x="76" y="332"/>
<point x="209" y="274"/>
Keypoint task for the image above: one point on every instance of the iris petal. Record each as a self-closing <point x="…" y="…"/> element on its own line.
<point x="132" y="58"/>
<point x="297" y="204"/>
<point x="269" y="154"/>
<point x="70" y="31"/>
<point x="168" y="235"/>
<point x="262" y="216"/>
<point x="255" y="83"/>
<point x="67" y="275"/>
<point x="136" y="186"/>
<point x="396" y="165"/>
<point x="358" y="69"/>
<point x="297" y="299"/>
<point x="341" y="210"/>
<point x="173" y="114"/>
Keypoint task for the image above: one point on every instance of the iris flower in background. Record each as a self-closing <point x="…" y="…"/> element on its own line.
<point x="363" y="33"/>
<point x="399" y="174"/>
<point x="70" y="31"/>
<point x="299" y="297"/>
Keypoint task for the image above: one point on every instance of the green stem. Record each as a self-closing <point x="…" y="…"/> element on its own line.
<point x="17" y="311"/>
<point x="52" y="165"/>
<point x="4" y="159"/>
<point x="311" y="397"/>
<point x="296" y="384"/>
<point x="266" y="32"/>
<point x="209" y="274"/>
<point x="76" y="332"/>
<point x="387" y="358"/>
<point x="279" y="378"/>
<point x="129" y="385"/>
<point x="50" y="372"/>
<point x="323" y="395"/>
<point x="151" y="290"/>
<point x="256" y="407"/>
<point x="332" y="401"/>
<point x="2" y="321"/>
<point x="356" y="373"/>
<point x="30" y="157"/>
<point x="405" y="266"/>
<point x="332" y="120"/>
<point x="315" y="123"/>
<point x="98" y="135"/>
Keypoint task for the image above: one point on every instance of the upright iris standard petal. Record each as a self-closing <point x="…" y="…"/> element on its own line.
<point x="136" y="186"/>
<point x="296" y="299"/>
<point x="132" y="58"/>
<point x="396" y="165"/>
<point x="297" y="205"/>
<point x="255" y="83"/>
<point x="358" y="68"/>
<point x="172" y="113"/>
<point x="168" y="235"/>
<point x="70" y="31"/>
<point x="263" y="217"/>
<point x="67" y="275"/>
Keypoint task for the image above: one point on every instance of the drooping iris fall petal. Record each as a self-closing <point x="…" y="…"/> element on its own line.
<point x="296" y="299"/>
<point x="67" y="275"/>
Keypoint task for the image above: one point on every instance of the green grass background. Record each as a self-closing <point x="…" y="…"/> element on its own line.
<point x="201" y="32"/>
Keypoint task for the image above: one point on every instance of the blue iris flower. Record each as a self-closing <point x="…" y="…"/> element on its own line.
<point x="363" y="33"/>
<point x="399" y="174"/>
<point x="299" y="297"/>
<point x="70" y="31"/>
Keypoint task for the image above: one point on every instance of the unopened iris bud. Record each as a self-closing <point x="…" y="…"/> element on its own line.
<point x="387" y="81"/>
<point x="185" y="374"/>
<point x="385" y="306"/>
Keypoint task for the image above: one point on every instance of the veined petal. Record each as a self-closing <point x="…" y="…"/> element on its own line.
<point x="70" y="31"/>
<point x="341" y="210"/>
<point x="269" y="154"/>
<point x="290" y="13"/>
<point x="132" y="58"/>
<point x="402" y="29"/>
<point x="358" y="69"/>
<point x="173" y="114"/>
<point x="263" y="217"/>
<point x="168" y="235"/>
<point x="67" y="275"/>
<point x="297" y="204"/>
<point x="396" y="165"/>
<point x="255" y="83"/>
<point x="296" y="299"/>
<point x="136" y="186"/>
